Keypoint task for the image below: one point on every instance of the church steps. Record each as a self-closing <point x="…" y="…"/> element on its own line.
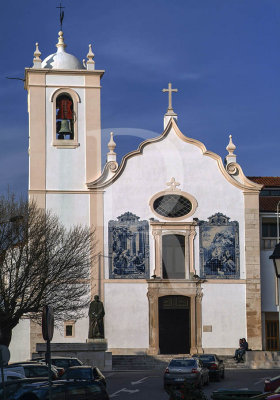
<point x="137" y="362"/>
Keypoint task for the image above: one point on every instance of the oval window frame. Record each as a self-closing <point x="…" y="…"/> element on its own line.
<point x="177" y="193"/>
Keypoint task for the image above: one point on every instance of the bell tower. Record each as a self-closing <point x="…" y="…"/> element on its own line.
<point x="64" y="124"/>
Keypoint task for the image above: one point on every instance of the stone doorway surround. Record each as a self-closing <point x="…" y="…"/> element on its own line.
<point x="174" y="287"/>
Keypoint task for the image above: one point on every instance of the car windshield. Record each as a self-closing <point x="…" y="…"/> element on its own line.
<point x="74" y="362"/>
<point x="79" y="373"/>
<point x="182" y="363"/>
<point x="207" y="358"/>
<point x="60" y="363"/>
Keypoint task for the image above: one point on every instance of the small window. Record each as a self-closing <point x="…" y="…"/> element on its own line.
<point x="64" y="117"/>
<point x="69" y="329"/>
<point x="269" y="229"/>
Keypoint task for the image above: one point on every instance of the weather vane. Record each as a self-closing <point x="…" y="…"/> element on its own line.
<point x="61" y="15"/>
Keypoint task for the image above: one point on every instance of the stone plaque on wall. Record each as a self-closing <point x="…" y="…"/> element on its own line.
<point x="128" y="247"/>
<point x="219" y="248"/>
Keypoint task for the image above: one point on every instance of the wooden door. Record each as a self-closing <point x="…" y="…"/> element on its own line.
<point x="272" y="335"/>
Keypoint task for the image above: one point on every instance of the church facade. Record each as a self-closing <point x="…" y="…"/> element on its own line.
<point x="178" y="263"/>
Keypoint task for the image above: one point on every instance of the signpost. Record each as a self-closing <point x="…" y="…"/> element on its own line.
<point x="4" y="359"/>
<point x="47" y="331"/>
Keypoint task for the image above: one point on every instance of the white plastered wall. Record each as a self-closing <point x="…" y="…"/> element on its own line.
<point x="199" y="175"/>
<point x="65" y="168"/>
<point x="127" y="315"/>
<point x="21" y="334"/>
<point x="72" y="209"/>
<point x="224" y="309"/>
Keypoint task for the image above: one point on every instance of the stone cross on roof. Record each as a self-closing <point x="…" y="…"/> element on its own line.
<point x="170" y="90"/>
<point x="173" y="184"/>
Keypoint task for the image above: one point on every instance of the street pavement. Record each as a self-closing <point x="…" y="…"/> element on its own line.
<point x="148" y="385"/>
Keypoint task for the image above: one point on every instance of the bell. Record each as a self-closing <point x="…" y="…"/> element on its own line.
<point x="65" y="129"/>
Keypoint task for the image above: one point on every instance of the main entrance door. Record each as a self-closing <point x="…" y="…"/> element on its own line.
<point x="174" y="324"/>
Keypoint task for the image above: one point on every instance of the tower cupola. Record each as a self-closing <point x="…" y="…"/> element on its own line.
<point x="61" y="59"/>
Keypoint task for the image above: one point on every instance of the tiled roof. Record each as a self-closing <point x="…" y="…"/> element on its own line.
<point x="269" y="203"/>
<point x="268" y="181"/>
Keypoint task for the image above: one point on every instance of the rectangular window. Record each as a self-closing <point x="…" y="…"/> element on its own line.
<point x="69" y="329"/>
<point x="269" y="229"/>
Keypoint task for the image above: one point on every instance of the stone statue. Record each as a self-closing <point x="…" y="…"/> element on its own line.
<point x="96" y="314"/>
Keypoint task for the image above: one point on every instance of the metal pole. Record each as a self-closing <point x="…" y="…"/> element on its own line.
<point x="99" y="275"/>
<point x="2" y="375"/>
<point x="277" y="216"/>
<point x="48" y="357"/>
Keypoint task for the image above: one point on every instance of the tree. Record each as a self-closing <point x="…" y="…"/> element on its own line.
<point x="40" y="263"/>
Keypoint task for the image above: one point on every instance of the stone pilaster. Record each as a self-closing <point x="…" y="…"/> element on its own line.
<point x="252" y="259"/>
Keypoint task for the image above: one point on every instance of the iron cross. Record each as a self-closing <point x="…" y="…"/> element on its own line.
<point x="61" y="15"/>
<point x="170" y="90"/>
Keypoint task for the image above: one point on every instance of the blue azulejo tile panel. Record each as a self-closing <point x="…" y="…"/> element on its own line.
<point x="219" y="248"/>
<point x="128" y="247"/>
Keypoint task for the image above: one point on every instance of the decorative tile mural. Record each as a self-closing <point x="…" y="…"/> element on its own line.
<point x="128" y="247"/>
<point x="219" y="248"/>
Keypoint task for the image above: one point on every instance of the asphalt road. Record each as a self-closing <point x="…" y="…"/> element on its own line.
<point x="148" y="385"/>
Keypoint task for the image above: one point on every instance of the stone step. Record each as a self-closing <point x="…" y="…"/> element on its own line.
<point x="136" y="362"/>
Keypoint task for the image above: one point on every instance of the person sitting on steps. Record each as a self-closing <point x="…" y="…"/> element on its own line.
<point x="239" y="353"/>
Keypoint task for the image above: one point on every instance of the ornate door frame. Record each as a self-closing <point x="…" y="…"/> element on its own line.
<point x="186" y="229"/>
<point x="192" y="289"/>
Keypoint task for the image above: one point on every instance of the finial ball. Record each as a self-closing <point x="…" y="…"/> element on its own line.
<point x="60" y="33"/>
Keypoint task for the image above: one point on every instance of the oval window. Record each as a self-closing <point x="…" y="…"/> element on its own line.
<point x="172" y="205"/>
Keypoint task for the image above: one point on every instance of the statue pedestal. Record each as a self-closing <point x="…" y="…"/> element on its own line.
<point x="98" y="344"/>
<point x="93" y="352"/>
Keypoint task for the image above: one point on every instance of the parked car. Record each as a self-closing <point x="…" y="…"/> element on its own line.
<point x="84" y="372"/>
<point x="62" y="390"/>
<point x="215" y="366"/>
<point x="33" y="370"/>
<point x="189" y="369"/>
<point x="11" y="375"/>
<point x="62" y="362"/>
<point x="271" y="384"/>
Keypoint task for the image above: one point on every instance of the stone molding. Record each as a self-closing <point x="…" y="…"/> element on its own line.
<point x="191" y="289"/>
<point x="245" y="184"/>
<point x="186" y="229"/>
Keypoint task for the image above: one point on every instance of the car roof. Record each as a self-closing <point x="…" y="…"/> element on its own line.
<point x="80" y="367"/>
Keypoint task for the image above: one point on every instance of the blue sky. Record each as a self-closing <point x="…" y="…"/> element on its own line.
<point x="222" y="55"/>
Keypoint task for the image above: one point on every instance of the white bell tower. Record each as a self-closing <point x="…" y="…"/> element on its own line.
<point x="64" y="126"/>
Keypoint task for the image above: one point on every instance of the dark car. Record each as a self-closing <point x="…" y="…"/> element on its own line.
<point x="33" y="370"/>
<point x="215" y="366"/>
<point x="185" y="369"/>
<point x="61" y="390"/>
<point x="271" y="384"/>
<point x="84" y="372"/>
<point x="62" y="363"/>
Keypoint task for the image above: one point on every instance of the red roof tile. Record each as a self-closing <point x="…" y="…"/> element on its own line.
<point x="269" y="181"/>
<point x="269" y="203"/>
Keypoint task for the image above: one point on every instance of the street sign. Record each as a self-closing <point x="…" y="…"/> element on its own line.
<point x="5" y="354"/>
<point x="47" y="323"/>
